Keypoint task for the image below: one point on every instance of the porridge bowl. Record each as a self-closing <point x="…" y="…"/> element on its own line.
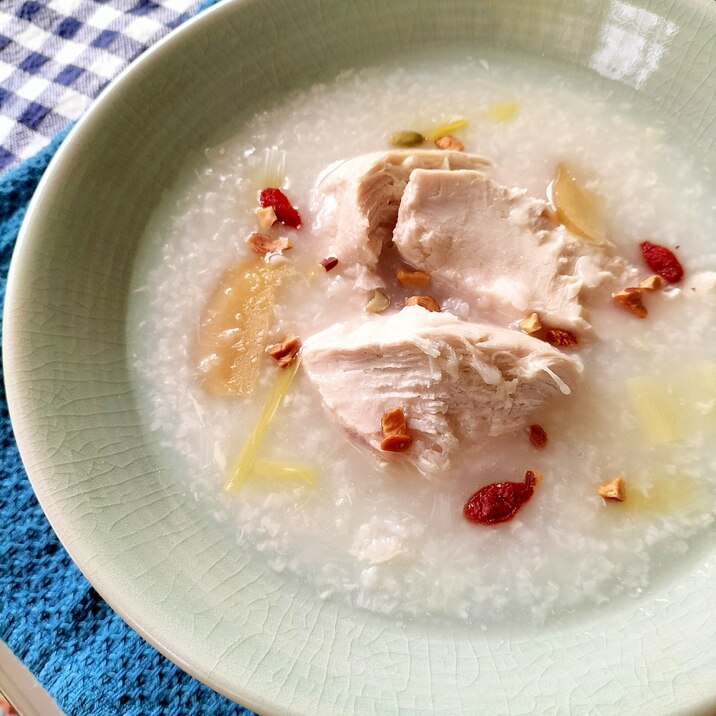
<point x="505" y="505"/>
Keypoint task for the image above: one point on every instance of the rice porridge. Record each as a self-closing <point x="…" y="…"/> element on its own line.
<point x="630" y="407"/>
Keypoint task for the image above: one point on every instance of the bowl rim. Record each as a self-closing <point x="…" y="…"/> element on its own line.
<point x="17" y="291"/>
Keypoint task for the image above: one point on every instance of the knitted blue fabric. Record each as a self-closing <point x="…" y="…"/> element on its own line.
<point x="53" y="620"/>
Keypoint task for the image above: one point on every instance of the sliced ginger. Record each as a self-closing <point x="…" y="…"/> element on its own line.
<point x="503" y="111"/>
<point x="445" y="129"/>
<point x="248" y="456"/>
<point x="578" y="208"/>
<point x="234" y="326"/>
<point x="674" y="406"/>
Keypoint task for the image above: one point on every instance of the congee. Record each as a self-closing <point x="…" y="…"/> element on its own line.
<point x="437" y="339"/>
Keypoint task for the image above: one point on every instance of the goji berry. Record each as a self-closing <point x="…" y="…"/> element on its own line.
<point x="538" y="436"/>
<point x="330" y="263"/>
<point x="560" y="337"/>
<point x="279" y="202"/>
<point x="662" y="261"/>
<point x="500" y="501"/>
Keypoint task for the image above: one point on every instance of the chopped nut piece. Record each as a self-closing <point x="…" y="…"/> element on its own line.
<point x="560" y="338"/>
<point x="538" y="436"/>
<point x="426" y="302"/>
<point x="378" y="303"/>
<point x="395" y="431"/>
<point x="285" y="352"/>
<point x="613" y="490"/>
<point x="449" y="142"/>
<point x="264" y="244"/>
<point x="653" y="283"/>
<point x="530" y="323"/>
<point x="330" y="263"/>
<point x="630" y="298"/>
<point x="411" y="279"/>
<point x="396" y="443"/>
<point x="393" y="423"/>
<point x="267" y="217"/>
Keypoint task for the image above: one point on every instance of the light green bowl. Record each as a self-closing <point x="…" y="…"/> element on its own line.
<point x="150" y="550"/>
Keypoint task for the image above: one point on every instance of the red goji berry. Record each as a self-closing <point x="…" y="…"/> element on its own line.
<point x="662" y="261"/>
<point x="560" y="337"/>
<point x="538" y="436"/>
<point x="500" y="501"/>
<point x="330" y="263"/>
<point x="279" y="202"/>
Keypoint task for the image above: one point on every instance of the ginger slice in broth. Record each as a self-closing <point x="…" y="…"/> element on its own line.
<point x="441" y="130"/>
<point x="503" y="111"/>
<point x="656" y="409"/>
<point x="578" y="208"/>
<point x="234" y="327"/>
<point x="411" y="138"/>
<point x="672" y="407"/>
<point x="655" y="493"/>
<point x="246" y="461"/>
<point x="281" y="470"/>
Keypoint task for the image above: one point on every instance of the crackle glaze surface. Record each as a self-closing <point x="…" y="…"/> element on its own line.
<point x="146" y="545"/>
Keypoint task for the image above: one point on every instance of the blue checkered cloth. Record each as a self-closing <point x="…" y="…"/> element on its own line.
<point x="56" y="57"/>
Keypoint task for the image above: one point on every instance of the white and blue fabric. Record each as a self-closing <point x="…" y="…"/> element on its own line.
<point x="56" y="57"/>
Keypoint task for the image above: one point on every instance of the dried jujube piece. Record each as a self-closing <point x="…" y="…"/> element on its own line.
<point x="278" y="201"/>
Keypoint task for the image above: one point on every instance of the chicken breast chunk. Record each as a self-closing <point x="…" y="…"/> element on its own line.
<point x="357" y="204"/>
<point x="490" y="245"/>
<point x="455" y="381"/>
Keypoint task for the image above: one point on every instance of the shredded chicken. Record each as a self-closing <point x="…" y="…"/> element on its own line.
<point x="454" y="380"/>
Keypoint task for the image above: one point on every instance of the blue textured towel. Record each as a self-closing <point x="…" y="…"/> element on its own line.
<point x="54" y="621"/>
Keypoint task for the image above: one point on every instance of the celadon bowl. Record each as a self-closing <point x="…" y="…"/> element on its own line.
<point x="152" y="551"/>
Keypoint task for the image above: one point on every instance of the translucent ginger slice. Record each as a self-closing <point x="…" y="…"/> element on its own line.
<point x="234" y="325"/>
<point x="577" y="207"/>
<point x="674" y="408"/>
<point x="654" y="406"/>
<point x="441" y="130"/>
<point x="503" y="111"/>
<point x="666" y="495"/>
<point x="697" y="388"/>
<point x="278" y="469"/>
<point x="246" y="461"/>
